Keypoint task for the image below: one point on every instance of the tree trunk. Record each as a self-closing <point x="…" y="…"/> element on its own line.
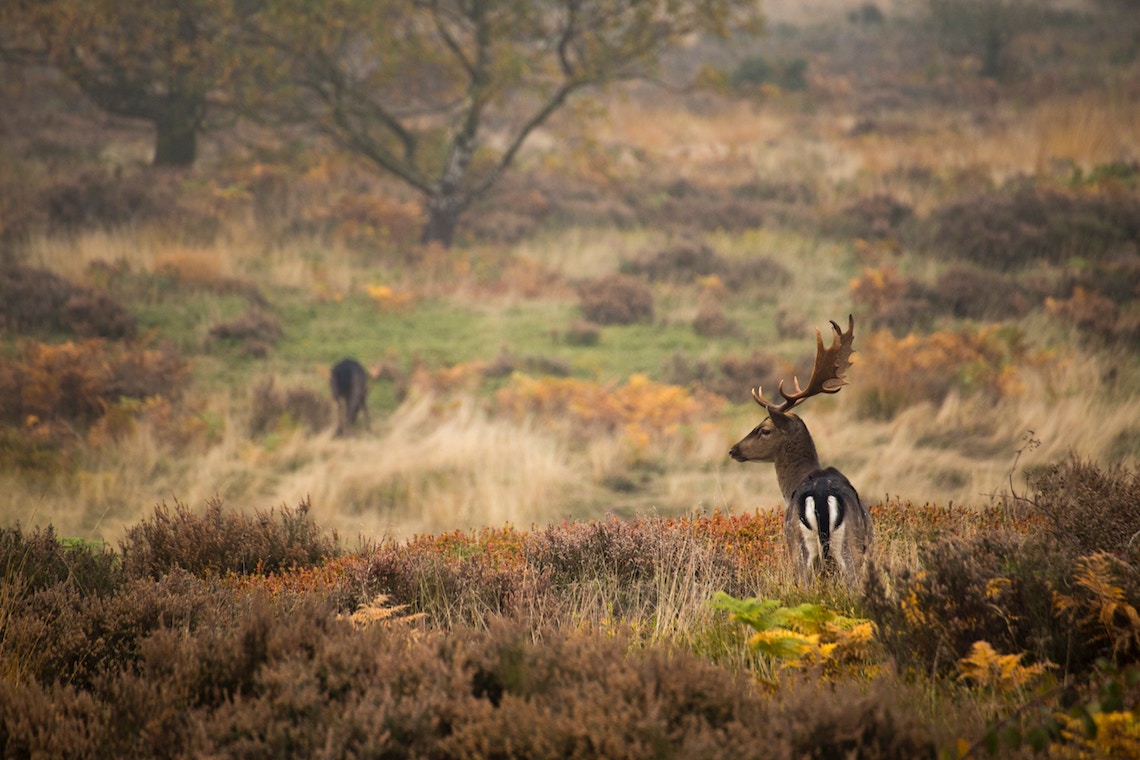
<point x="177" y="140"/>
<point x="443" y="218"/>
<point x="446" y="203"/>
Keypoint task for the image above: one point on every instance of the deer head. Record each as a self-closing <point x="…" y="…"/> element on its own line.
<point x="783" y="438"/>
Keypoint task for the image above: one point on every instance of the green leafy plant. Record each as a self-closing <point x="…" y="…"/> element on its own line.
<point x="804" y="636"/>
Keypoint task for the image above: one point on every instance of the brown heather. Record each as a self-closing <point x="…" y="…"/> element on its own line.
<point x="221" y="634"/>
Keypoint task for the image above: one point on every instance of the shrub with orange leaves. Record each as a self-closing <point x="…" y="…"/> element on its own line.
<point x="365" y="220"/>
<point x="641" y="409"/>
<point x="899" y="372"/>
<point x="388" y="298"/>
<point x="459" y="376"/>
<point x="92" y="384"/>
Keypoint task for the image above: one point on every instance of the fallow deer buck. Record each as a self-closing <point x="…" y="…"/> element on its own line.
<point x="348" y="382"/>
<point x="826" y="524"/>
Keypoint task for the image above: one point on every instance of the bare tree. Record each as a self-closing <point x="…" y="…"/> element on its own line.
<point x="442" y="94"/>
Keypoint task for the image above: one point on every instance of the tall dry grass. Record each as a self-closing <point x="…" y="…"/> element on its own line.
<point x="1082" y="130"/>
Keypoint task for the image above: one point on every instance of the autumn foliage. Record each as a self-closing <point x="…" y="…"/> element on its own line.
<point x="898" y="372"/>
<point x="642" y="410"/>
<point x="52" y="396"/>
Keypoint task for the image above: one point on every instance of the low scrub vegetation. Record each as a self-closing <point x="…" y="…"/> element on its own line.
<point x="226" y="634"/>
<point x="55" y="396"/>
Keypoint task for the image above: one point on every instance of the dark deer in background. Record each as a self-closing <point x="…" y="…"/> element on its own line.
<point x="349" y="384"/>
<point x="826" y="525"/>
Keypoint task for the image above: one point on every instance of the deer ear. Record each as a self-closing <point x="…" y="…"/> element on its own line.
<point x="779" y="419"/>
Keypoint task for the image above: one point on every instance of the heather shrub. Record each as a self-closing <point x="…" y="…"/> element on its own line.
<point x="890" y="300"/>
<point x="506" y="364"/>
<point x="1012" y="229"/>
<point x="681" y="262"/>
<point x="867" y="13"/>
<point x="688" y="261"/>
<point x="628" y="551"/>
<point x="995" y="587"/>
<point x="452" y="589"/>
<point x="874" y="217"/>
<point x="731" y="378"/>
<point x="304" y="684"/>
<point x="686" y="207"/>
<point x="36" y="300"/>
<point x="32" y="562"/>
<point x="757" y="71"/>
<point x="971" y="293"/>
<point x="636" y="569"/>
<point x="252" y="334"/>
<point x="832" y="720"/>
<point x="776" y="190"/>
<point x="1089" y="509"/>
<point x="711" y="322"/>
<point x="94" y="198"/>
<point x="1098" y="316"/>
<point x="271" y="407"/>
<point x="586" y="694"/>
<point x="581" y="333"/>
<point x="90" y="314"/>
<point x="61" y="634"/>
<point x="1117" y="280"/>
<point x="217" y="542"/>
<point x="32" y="299"/>
<point x="616" y="300"/>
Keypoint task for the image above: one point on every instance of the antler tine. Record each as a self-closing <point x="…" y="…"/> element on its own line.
<point x="827" y="376"/>
<point x="758" y="395"/>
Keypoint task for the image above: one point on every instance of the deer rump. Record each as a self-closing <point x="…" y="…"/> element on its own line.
<point x="827" y="526"/>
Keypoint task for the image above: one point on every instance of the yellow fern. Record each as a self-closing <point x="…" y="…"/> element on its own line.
<point x="378" y="611"/>
<point x="1001" y="672"/>
<point x="1103" y="605"/>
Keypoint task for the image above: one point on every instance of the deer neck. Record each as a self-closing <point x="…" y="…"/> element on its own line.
<point x="796" y="462"/>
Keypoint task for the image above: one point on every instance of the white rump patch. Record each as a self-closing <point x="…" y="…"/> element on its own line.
<point x="809" y="536"/>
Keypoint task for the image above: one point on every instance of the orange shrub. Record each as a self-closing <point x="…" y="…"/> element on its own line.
<point x="898" y="372"/>
<point x="367" y="220"/>
<point x="641" y="409"/>
<point x="103" y="387"/>
<point x="388" y="298"/>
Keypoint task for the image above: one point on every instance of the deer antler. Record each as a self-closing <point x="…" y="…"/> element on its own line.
<point x="826" y="375"/>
